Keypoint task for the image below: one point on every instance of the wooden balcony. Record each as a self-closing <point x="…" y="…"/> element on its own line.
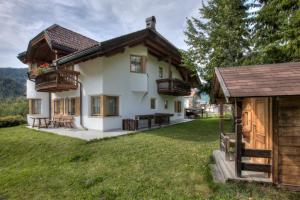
<point x="57" y="81"/>
<point x="173" y="87"/>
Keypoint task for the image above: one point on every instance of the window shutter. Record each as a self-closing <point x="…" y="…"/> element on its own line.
<point x="30" y="106"/>
<point x="66" y="106"/>
<point x="117" y="106"/>
<point x="179" y="106"/>
<point x="103" y="111"/>
<point x="144" y="61"/>
<point x="52" y="107"/>
<point x="61" y="103"/>
<point x="175" y="106"/>
<point x="77" y="106"/>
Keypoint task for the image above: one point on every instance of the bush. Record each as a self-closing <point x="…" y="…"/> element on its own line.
<point x="17" y="106"/>
<point x="11" y="120"/>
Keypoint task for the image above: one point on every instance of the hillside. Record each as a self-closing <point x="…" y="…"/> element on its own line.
<point x="12" y="82"/>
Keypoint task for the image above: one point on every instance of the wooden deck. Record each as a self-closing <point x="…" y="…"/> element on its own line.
<point x="224" y="170"/>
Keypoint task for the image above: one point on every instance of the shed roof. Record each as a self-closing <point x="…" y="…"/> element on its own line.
<point x="260" y="80"/>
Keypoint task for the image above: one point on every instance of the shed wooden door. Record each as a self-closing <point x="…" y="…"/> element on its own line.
<point x="260" y="126"/>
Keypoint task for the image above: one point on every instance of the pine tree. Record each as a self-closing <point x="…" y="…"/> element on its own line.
<point x="219" y="37"/>
<point x="276" y="31"/>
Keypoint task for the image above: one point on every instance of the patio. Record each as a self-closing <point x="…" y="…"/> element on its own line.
<point x="95" y="134"/>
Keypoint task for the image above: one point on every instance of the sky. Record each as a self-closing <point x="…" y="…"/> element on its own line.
<point x="21" y="20"/>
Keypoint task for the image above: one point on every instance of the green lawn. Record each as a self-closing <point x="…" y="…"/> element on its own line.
<point x="166" y="163"/>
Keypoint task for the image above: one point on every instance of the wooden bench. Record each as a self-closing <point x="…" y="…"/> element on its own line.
<point x="62" y="121"/>
<point x="68" y="121"/>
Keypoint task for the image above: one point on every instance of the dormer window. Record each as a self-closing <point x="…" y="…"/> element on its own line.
<point x="137" y="64"/>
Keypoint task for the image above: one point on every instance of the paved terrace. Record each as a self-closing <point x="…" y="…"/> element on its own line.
<point x="95" y="134"/>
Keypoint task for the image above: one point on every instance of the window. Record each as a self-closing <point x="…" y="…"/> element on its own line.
<point x="95" y="105"/>
<point x="57" y="106"/>
<point x="111" y="106"/>
<point x="70" y="106"/>
<point x="152" y="103"/>
<point x="166" y="104"/>
<point x="137" y="64"/>
<point x="177" y="106"/>
<point x="34" y="106"/>
<point x="104" y="105"/>
<point x="160" y="72"/>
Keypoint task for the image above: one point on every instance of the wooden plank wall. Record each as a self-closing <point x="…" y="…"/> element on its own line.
<point x="288" y="131"/>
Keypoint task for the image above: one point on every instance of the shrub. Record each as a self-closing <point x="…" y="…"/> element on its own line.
<point x="11" y="120"/>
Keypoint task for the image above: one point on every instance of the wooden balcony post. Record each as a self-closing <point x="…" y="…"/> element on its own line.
<point x="238" y="142"/>
<point x="221" y="121"/>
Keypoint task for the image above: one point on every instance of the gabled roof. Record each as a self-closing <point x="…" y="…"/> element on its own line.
<point x="77" y="48"/>
<point x="60" y="38"/>
<point x="260" y="80"/>
<point x="146" y="36"/>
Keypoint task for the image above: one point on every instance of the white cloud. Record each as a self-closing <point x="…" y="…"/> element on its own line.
<point x="21" y="20"/>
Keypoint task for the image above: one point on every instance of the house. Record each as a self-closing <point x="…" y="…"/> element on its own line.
<point x="102" y="83"/>
<point x="266" y="144"/>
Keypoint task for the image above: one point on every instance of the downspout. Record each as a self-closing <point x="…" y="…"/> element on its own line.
<point x="50" y="111"/>
<point x="80" y="92"/>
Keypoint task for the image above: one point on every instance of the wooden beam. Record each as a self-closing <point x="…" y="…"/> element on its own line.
<point x="221" y="121"/>
<point x="258" y="153"/>
<point x="222" y="83"/>
<point x="238" y="132"/>
<point x="275" y="156"/>
<point x="256" y="167"/>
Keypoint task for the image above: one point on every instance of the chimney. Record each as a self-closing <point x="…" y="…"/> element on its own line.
<point x="150" y="22"/>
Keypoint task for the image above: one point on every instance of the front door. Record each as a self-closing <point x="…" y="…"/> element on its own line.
<point x="261" y="126"/>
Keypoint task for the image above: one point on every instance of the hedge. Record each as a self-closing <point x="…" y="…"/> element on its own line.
<point x="11" y="120"/>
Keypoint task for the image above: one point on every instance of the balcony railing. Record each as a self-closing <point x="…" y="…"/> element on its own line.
<point x="173" y="87"/>
<point x="57" y="81"/>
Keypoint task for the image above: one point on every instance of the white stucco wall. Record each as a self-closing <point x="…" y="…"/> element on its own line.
<point x="112" y="76"/>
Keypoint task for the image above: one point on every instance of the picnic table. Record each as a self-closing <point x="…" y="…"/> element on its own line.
<point x="39" y="119"/>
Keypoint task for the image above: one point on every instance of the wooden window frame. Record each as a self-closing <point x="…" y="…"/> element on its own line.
<point x="177" y="106"/>
<point x="105" y="108"/>
<point x="100" y="104"/>
<point x="166" y="103"/>
<point x="55" y="103"/>
<point x="160" y="72"/>
<point x="153" y="105"/>
<point x="68" y="105"/>
<point x="31" y="106"/>
<point x="143" y="64"/>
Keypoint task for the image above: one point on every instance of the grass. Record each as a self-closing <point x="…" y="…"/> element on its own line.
<point x="166" y="163"/>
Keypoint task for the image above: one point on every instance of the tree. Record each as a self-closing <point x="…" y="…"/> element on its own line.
<point x="276" y="32"/>
<point x="219" y="38"/>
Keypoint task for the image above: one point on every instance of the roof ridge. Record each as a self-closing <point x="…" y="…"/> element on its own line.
<point x="259" y="65"/>
<point x="57" y="25"/>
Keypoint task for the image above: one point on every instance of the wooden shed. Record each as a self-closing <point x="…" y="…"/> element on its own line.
<point x="265" y="145"/>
